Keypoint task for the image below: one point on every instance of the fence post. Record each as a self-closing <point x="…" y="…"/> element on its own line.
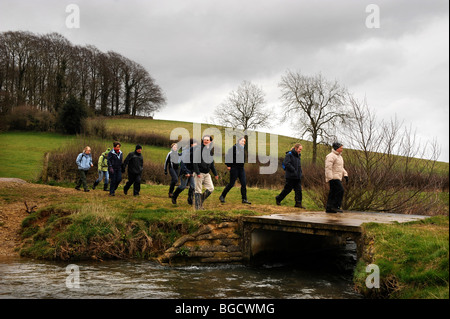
<point x="45" y="168"/>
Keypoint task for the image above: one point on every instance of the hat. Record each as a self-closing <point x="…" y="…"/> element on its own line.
<point x="336" y="145"/>
<point x="138" y="147"/>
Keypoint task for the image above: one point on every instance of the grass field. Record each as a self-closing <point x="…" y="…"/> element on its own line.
<point x="23" y="152"/>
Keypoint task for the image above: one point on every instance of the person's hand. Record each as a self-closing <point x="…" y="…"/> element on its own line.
<point x="165" y="173"/>
<point x="111" y="170"/>
<point x="346" y="179"/>
<point x="228" y="168"/>
<point x="188" y="175"/>
<point x="217" y="177"/>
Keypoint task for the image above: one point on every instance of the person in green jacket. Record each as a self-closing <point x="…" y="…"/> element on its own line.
<point x="103" y="170"/>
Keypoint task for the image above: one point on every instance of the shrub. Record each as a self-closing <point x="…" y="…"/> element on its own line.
<point x="29" y="118"/>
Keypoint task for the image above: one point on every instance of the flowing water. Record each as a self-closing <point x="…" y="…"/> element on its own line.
<point x="26" y="278"/>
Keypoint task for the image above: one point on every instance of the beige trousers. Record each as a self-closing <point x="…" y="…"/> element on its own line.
<point x="203" y="180"/>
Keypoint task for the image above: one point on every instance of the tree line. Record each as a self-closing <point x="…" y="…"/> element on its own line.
<point x="45" y="70"/>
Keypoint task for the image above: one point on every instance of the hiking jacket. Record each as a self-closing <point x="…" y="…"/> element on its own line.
<point x="293" y="165"/>
<point x="115" y="160"/>
<point x="334" y="166"/>
<point x="103" y="161"/>
<point x="235" y="156"/>
<point x="172" y="160"/>
<point x="206" y="164"/>
<point x="135" y="163"/>
<point x="187" y="162"/>
<point x="84" y="161"/>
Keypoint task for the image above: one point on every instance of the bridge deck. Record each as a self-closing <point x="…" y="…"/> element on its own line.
<point x="347" y="221"/>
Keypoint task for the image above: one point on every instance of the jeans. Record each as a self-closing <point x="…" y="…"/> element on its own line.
<point x="174" y="180"/>
<point x="100" y="177"/>
<point x="235" y="173"/>
<point x="336" y="194"/>
<point x="185" y="181"/>
<point x="292" y="184"/>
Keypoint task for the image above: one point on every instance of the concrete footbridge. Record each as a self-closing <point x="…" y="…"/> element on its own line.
<point x="302" y="231"/>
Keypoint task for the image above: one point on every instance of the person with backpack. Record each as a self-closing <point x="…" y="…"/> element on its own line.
<point x="171" y="165"/>
<point x="234" y="160"/>
<point x="115" y="159"/>
<point x="84" y="163"/>
<point x="135" y="163"/>
<point x="186" y="173"/>
<point x="103" y="170"/>
<point x="293" y="167"/>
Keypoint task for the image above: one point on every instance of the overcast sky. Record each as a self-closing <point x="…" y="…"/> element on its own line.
<point x="200" y="50"/>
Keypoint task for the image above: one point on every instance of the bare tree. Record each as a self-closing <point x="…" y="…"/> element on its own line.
<point x="384" y="162"/>
<point x="244" y="109"/>
<point x="314" y="106"/>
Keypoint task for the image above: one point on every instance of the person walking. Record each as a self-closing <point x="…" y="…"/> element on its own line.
<point x="334" y="172"/>
<point x="171" y="165"/>
<point x="84" y="163"/>
<point x="103" y="170"/>
<point x="234" y="160"/>
<point x="115" y="159"/>
<point x="202" y="169"/>
<point x="293" y="167"/>
<point x="135" y="163"/>
<point x="186" y="173"/>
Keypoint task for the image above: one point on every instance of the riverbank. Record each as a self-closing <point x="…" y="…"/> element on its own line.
<point x="64" y="224"/>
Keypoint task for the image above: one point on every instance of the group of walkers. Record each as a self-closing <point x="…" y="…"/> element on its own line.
<point x="194" y="164"/>
<point x="110" y="168"/>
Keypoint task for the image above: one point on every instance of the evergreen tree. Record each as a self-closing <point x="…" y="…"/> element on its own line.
<point x="72" y="115"/>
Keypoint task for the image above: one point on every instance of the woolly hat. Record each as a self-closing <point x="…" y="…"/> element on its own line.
<point x="138" y="147"/>
<point x="336" y="145"/>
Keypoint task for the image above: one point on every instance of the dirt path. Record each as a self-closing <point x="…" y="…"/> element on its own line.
<point x="13" y="209"/>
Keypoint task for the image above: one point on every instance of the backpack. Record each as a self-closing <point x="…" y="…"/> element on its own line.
<point x="283" y="165"/>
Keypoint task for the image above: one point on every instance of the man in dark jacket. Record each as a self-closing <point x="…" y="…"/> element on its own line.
<point x="293" y="167"/>
<point x="186" y="173"/>
<point x="234" y="160"/>
<point x="115" y="159"/>
<point x="135" y="163"/>
<point x="202" y="168"/>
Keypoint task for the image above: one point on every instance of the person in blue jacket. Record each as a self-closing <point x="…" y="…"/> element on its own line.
<point x="293" y="167"/>
<point x="84" y="163"/>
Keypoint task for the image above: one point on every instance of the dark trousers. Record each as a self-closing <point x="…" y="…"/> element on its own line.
<point x="82" y="179"/>
<point x="174" y="180"/>
<point x="235" y="173"/>
<point x="336" y="194"/>
<point x="292" y="184"/>
<point x="135" y="180"/>
<point x="115" y="179"/>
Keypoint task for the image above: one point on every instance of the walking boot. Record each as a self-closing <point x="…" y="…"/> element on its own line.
<point x="95" y="184"/>
<point x="198" y="201"/>
<point x="190" y="196"/>
<point x="205" y="195"/>
<point x="299" y="205"/>
<point x="222" y="199"/>
<point x="277" y="201"/>
<point x="175" y="196"/>
<point x="244" y="201"/>
<point x="105" y="187"/>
